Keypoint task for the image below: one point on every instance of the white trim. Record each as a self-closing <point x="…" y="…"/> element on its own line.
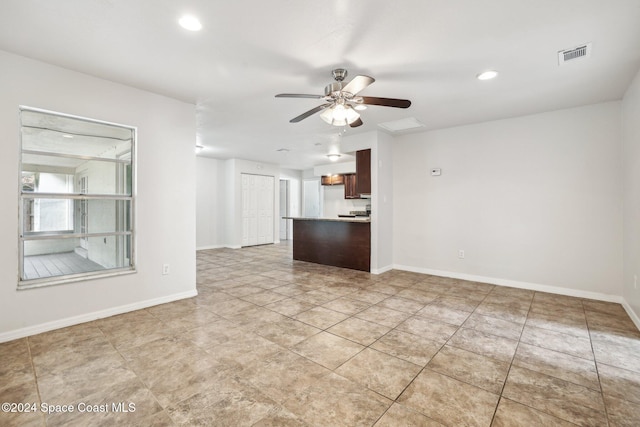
<point x="517" y="284"/>
<point x="202" y="248"/>
<point x="632" y="314"/>
<point x="88" y="317"/>
<point x="381" y="270"/>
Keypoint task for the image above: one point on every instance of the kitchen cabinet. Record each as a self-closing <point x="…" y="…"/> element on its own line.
<point x="363" y="172"/>
<point x="350" y="186"/>
<point x="332" y="180"/>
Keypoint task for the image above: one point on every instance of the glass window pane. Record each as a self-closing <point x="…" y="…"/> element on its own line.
<point x="48" y="215"/>
<point x="76" y="216"/>
<point x="59" y="257"/>
<point x="51" y="174"/>
<point x="72" y="172"/>
<point x="50" y="133"/>
<point x="103" y="216"/>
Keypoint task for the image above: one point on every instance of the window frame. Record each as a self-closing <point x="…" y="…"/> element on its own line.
<point x="23" y="236"/>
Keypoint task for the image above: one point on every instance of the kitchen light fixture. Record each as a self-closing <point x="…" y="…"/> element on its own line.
<point x="340" y="114"/>
<point x="487" y="75"/>
<point x="190" y="22"/>
<point x="333" y="156"/>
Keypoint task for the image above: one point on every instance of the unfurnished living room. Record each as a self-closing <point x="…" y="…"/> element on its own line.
<point x="305" y="213"/>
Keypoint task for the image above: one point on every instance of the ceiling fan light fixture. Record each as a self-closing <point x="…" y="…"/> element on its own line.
<point x="360" y="107"/>
<point x="339" y="115"/>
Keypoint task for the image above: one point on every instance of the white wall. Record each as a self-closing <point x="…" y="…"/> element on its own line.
<point x="382" y="194"/>
<point x="210" y="203"/>
<point x="165" y="222"/>
<point x="101" y="178"/>
<point x="631" y="155"/>
<point x="294" y="177"/>
<point x="533" y="201"/>
<point x="334" y="203"/>
<point x="382" y="204"/>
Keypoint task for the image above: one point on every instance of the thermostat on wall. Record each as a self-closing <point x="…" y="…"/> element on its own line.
<point x="436" y="172"/>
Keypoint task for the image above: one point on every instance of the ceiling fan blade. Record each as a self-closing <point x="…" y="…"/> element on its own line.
<point x="386" y="102"/>
<point x="357" y="123"/>
<point x="357" y="84"/>
<point x="309" y="113"/>
<point x="298" y="95"/>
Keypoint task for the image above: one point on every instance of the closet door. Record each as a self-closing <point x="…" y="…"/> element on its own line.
<point x="249" y="210"/>
<point x="257" y="209"/>
<point x="265" y="209"/>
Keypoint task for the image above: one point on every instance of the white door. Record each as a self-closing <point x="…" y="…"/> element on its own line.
<point x="257" y="209"/>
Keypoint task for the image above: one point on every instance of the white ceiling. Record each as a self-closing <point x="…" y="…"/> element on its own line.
<point x="428" y="51"/>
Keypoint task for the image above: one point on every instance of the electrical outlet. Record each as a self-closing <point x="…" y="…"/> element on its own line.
<point x="460" y="254"/>
<point x="165" y="269"/>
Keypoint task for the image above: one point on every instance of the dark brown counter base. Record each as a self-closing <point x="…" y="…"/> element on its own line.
<point x="336" y="243"/>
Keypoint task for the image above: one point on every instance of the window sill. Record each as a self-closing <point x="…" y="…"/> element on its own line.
<point x="72" y="278"/>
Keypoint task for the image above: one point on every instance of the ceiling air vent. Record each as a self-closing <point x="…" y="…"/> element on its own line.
<point x="582" y="51"/>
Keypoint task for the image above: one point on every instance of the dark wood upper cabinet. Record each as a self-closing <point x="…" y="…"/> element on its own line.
<point x="350" y="186"/>
<point x="363" y="172"/>
<point x="332" y="180"/>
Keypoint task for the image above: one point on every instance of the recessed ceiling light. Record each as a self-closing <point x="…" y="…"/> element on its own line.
<point x="487" y="75"/>
<point x="333" y="156"/>
<point x="190" y="22"/>
<point x="66" y="135"/>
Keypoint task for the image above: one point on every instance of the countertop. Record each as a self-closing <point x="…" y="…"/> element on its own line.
<point x="338" y="219"/>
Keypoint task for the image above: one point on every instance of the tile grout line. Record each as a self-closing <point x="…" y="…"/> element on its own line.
<point x="35" y="379"/>
<point x="595" y="362"/>
<point x="500" y="396"/>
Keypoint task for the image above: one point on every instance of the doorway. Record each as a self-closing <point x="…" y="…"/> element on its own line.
<point x="285" y="232"/>
<point x="312" y="207"/>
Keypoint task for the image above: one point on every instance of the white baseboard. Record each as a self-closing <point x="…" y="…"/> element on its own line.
<point x="203" y="248"/>
<point x="517" y="284"/>
<point x="88" y="317"/>
<point x="632" y="314"/>
<point x="382" y="270"/>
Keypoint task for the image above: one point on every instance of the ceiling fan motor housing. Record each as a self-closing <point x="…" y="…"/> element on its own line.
<point x="332" y="88"/>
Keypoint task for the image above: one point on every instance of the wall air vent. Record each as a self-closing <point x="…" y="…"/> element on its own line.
<point x="582" y="51"/>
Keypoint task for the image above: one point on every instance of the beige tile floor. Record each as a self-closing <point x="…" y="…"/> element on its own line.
<point x="273" y="342"/>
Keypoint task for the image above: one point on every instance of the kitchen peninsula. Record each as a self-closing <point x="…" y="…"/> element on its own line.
<point x="340" y="242"/>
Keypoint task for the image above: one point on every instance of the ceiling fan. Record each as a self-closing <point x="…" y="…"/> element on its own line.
<point x="342" y="100"/>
